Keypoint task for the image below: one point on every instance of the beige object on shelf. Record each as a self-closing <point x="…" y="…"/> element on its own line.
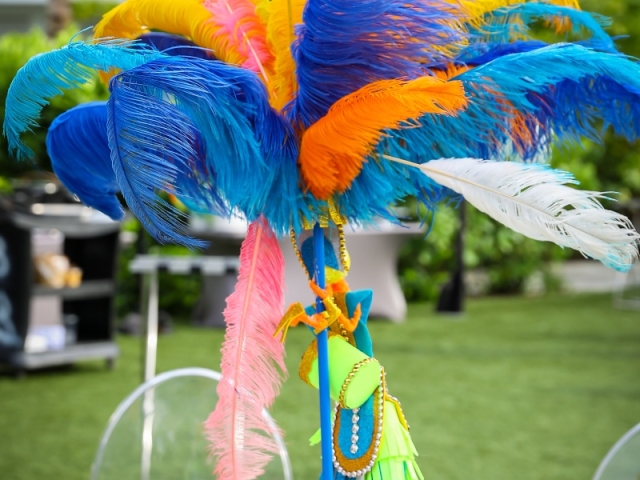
<point x="51" y="269"/>
<point x="74" y="277"/>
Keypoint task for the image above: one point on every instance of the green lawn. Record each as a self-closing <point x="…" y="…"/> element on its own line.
<point x="516" y="389"/>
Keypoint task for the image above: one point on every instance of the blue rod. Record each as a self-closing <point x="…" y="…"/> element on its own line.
<point x="323" y="362"/>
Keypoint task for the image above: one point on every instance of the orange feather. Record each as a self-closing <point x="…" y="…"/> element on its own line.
<point x="334" y="148"/>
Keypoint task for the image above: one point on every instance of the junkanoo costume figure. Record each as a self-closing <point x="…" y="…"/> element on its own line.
<point x="370" y="433"/>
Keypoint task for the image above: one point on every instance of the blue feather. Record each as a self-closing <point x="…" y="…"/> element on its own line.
<point x="79" y="150"/>
<point x="558" y="104"/>
<point x="175" y="45"/>
<point x="344" y="45"/>
<point x="591" y="92"/>
<point x="566" y="102"/>
<point x="152" y="144"/>
<point x="49" y="74"/>
<point x="481" y="53"/>
<point x="225" y="139"/>
<point x="510" y="23"/>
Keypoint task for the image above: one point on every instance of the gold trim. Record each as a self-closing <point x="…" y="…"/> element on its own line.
<point x="344" y="254"/>
<point x="308" y="357"/>
<point x="294" y="242"/>
<point x="363" y="462"/>
<point x="352" y="373"/>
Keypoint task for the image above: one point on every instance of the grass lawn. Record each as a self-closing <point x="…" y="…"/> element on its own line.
<point x="516" y="389"/>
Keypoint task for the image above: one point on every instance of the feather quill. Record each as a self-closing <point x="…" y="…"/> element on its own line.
<point x="79" y="150"/>
<point x="50" y="74"/>
<point x="281" y="18"/>
<point x="238" y="21"/>
<point x="252" y="361"/>
<point x="334" y="148"/>
<point x="344" y="45"/>
<point x="535" y="200"/>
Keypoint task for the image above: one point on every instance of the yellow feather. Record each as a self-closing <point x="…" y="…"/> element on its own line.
<point x="280" y="18"/>
<point x="334" y="148"/>
<point x="188" y="18"/>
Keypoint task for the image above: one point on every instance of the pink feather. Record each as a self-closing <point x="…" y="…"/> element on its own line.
<point x="239" y="22"/>
<point x="252" y="361"/>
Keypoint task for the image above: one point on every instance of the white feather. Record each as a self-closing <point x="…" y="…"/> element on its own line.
<point x="535" y="200"/>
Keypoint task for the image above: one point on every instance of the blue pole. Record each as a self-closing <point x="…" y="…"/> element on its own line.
<point x="323" y="362"/>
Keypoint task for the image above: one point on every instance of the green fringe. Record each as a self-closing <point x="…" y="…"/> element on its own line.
<point x="396" y="457"/>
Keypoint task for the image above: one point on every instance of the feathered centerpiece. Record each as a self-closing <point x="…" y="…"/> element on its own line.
<point x="290" y="113"/>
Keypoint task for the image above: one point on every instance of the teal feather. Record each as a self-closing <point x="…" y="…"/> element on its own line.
<point x="509" y="23"/>
<point x="50" y="74"/>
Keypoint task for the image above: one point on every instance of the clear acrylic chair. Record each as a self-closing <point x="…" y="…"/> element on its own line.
<point x="623" y="460"/>
<point x="156" y="433"/>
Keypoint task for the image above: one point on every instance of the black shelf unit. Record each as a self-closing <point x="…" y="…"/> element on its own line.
<point x="89" y="244"/>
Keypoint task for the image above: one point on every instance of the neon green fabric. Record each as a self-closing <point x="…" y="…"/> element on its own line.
<point x="396" y="457"/>
<point x="342" y="358"/>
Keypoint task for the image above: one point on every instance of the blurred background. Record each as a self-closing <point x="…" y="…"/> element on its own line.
<point x="535" y="376"/>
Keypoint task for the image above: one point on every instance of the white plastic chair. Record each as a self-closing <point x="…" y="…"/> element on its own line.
<point x="623" y="460"/>
<point x="156" y="433"/>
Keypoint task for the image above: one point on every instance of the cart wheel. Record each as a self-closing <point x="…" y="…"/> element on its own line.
<point x="111" y="362"/>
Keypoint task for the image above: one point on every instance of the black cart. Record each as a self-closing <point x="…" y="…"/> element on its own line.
<point x="90" y="241"/>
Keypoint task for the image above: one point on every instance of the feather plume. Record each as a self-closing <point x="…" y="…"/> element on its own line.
<point x="474" y="11"/>
<point x="153" y="144"/>
<point x="252" y="361"/>
<point x="188" y="18"/>
<point x="79" y="150"/>
<point x="512" y="23"/>
<point x="344" y="45"/>
<point x="335" y="147"/>
<point x="535" y="201"/>
<point x="238" y="21"/>
<point x="224" y="130"/>
<point x="481" y="53"/>
<point x="281" y="18"/>
<point x="50" y="74"/>
<point x="520" y="104"/>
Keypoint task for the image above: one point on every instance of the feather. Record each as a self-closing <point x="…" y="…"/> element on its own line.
<point x="344" y="45"/>
<point x="175" y="45"/>
<point x="225" y="131"/>
<point x="152" y="144"/>
<point x="188" y="18"/>
<point x="474" y="11"/>
<point x="335" y="147"/>
<point x="50" y="74"/>
<point x="253" y="365"/>
<point x="281" y="17"/>
<point x="79" y="150"/>
<point x="564" y="103"/>
<point x="480" y="53"/>
<point x="512" y="23"/>
<point x="535" y="201"/>
<point x="238" y="21"/>
<point x="520" y="104"/>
